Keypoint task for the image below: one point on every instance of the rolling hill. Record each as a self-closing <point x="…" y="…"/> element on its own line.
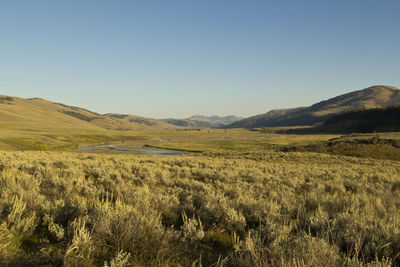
<point x="38" y="123"/>
<point x="372" y="97"/>
<point x="38" y="114"/>
<point x="140" y="122"/>
<point x="47" y="114"/>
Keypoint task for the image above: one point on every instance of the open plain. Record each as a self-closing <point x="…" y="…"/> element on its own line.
<point x="235" y="200"/>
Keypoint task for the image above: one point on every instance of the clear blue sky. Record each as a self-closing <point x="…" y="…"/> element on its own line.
<point x="171" y="58"/>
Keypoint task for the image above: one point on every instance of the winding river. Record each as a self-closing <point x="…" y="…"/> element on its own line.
<point x="154" y="152"/>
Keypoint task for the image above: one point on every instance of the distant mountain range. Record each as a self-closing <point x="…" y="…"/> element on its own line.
<point x="201" y="121"/>
<point x="372" y="97"/>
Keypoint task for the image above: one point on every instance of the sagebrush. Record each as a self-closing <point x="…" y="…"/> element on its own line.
<point x="215" y="209"/>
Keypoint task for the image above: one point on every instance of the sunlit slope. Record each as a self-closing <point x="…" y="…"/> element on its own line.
<point x="371" y="97"/>
<point x="39" y="115"/>
<point x="40" y="124"/>
<point x="102" y="121"/>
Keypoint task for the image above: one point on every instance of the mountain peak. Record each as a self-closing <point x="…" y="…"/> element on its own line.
<point x="381" y="87"/>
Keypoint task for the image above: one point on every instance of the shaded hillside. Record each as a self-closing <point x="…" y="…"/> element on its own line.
<point x="364" y="121"/>
<point x="215" y="120"/>
<point x="190" y="123"/>
<point x="271" y="118"/>
<point x="372" y="97"/>
<point x="140" y="121"/>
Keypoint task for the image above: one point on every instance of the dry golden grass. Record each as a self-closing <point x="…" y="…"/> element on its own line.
<point x="213" y="209"/>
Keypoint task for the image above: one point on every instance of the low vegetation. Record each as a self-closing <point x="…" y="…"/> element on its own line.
<point x="377" y="146"/>
<point x="211" y="209"/>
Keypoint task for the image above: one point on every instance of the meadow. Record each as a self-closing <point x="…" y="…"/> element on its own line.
<point x="225" y="208"/>
<point x="212" y="140"/>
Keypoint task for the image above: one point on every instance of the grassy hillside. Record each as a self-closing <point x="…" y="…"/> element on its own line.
<point x="19" y="113"/>
<point x="40" y="124"/>
<point x="372" y="97"/>
<point x="224" y="209"/>
<point x="364" y="121"/>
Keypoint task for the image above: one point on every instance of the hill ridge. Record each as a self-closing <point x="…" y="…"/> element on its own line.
<point x="371" y="97"/>
<point x="38" y="112"/>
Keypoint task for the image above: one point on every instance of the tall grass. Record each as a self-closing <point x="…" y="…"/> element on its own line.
<point x="213" y="209"/>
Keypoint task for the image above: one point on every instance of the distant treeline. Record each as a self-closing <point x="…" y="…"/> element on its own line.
<point x="364" y="121"/>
